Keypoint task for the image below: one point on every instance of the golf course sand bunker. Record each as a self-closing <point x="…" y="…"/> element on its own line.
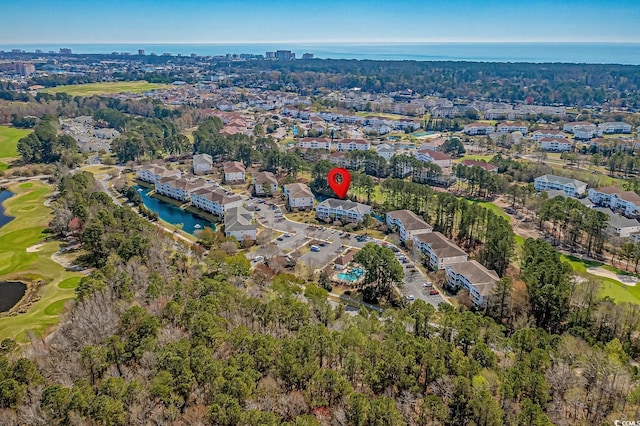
<point x="34" y="248"/>
<point x="624" y="279"/>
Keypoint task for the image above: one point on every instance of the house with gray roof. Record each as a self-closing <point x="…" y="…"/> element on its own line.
<point x="571" y="187"/>
<point x="618" y="225"/>
<point x="474" y="277"/>
<point x="202" y="163"/>
<point x="439" y="250"/>
<point x="238" y="223"/>
<point x="407" y="223"/>
<point x="342" y="210"/>
<point x="611" y="127"/>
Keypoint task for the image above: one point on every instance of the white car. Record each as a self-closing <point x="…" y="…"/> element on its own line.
<point x="410" y="297"/>
<point x="258" y="258"/>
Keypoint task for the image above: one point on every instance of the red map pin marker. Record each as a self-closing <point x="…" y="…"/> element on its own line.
<point x="339" y="180"/>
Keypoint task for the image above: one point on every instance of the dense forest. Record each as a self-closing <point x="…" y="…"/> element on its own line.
<point x="162" y="334"/>
<point x="547" y="84"/>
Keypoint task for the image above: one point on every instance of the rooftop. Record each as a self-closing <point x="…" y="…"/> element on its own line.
<point x="233" y="167"/>
<point x="562" y="180"/>
<point x="334" y="203"/>
<point x="616" y="221"/>
<point x="262" y="177"/>
<point x="441" y="245"/>
<point x="410" y="220"/>
<point x="481" y="278"/>
<point x="298" y="190"/>
<point x="238" y="219"/>
<point x="217" y="196"/>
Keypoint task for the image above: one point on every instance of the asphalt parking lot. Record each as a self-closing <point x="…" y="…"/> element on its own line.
<point x="325" y="256"/>
<point x="303" y="233"/>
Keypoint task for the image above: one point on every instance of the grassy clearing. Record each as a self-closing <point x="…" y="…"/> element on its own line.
<point x="586" y="176"/>
<point x="106" y="88"/>
<point x="9" y="137"/>
<point x="476" y="157"/>
<point x="380" y="114"/>
<point x="26" y="230"/>
<point x="377" y="195"/>
<point x="100" y="170"/>
<point x="489" y="205"/>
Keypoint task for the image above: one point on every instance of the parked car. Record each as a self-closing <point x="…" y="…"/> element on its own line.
<point x="410" y="297"/>
<point x="322" y="244"/>
<point x="258" y="258"/>
<point x="433" y="292"/>
<point x="315" y="248"/>
<point x="287" y="235"/>
<point x="427" y="284"/>
<point x="280" y="239"/>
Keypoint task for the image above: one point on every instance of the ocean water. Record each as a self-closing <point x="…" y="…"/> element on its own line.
<point x="597" y="53"/>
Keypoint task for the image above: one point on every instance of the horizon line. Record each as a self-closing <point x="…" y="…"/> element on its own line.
<point x="356" y="42"/>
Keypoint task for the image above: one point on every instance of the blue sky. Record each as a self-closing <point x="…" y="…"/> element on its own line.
<point x="229" y="21"/>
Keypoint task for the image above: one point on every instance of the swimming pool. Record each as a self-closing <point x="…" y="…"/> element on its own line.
<point x="353" y="275"/>
<point x="423" y="133"/>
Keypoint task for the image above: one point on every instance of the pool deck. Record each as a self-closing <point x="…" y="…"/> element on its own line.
<point x="347" y="271"/>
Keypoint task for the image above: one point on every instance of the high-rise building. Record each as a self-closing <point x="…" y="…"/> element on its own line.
<point x="65" y="51"/>
<point x="270" y="55"/>
<point x="141" y="52"/>
<point x="284" y="55"/>
<point x="25" y="68"/>
<point x="307" y="56"/>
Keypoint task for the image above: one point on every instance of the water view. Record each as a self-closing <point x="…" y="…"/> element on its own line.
<point x="172" y="214"/>
<point x="4" y="219"/>
<point x="10" y="293"/>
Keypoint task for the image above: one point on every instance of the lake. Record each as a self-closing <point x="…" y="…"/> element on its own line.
<point x="172" y="214"/>
<point x="4" y="219"/>
<point x="10" y="293"/>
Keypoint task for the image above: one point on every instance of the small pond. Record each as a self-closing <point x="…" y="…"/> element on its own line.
<point x="10" y="293"/>
<point x="172" y="214"/>
<point x="4" y="219"/>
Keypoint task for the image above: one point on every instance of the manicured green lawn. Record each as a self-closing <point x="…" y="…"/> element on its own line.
<point x="620" y="292"/>
<point x="106" y="88"/>
<point x="579" y="265"/>
<point x="70" y="283"/>
<point x="26" y="230"/>
<point x="9" y="137"/>
<point x="477" y="157"/>
<point x="380" y="114"/>
<point x="489" y="205"/>
<point x="610" y="287"/>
